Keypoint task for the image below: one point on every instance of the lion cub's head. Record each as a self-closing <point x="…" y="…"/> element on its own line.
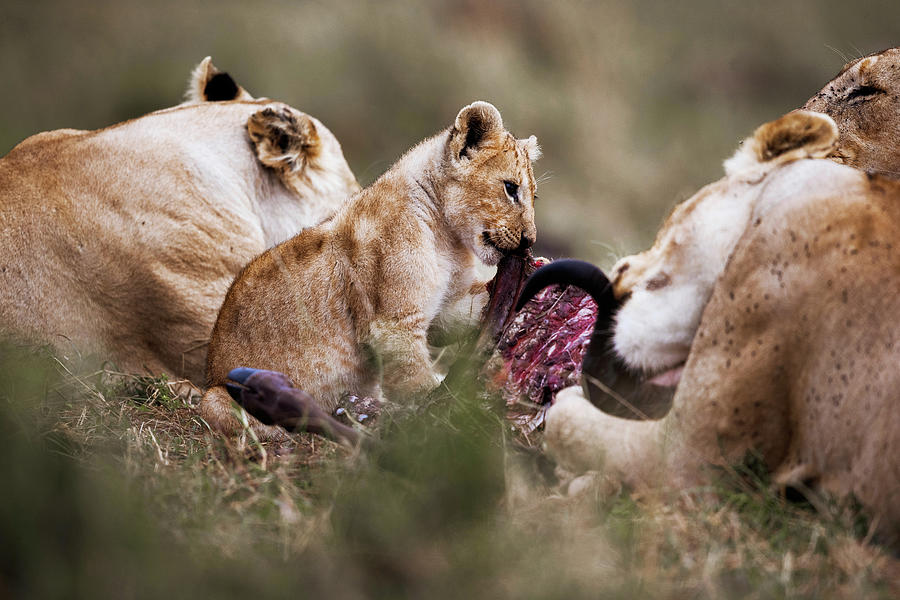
<point x="489" y="193"/>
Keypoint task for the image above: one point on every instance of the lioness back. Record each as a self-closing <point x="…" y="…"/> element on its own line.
<point x="346" y="306"/>
<point x="122" y="241"/>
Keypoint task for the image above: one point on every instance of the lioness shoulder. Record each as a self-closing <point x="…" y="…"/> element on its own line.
<point x="346" y="306"/>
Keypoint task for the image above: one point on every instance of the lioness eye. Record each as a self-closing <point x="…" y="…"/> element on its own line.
<point x="864" y="91"/>
<point x="512" y="190"/>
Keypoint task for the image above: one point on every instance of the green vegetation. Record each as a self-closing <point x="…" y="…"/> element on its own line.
<point x="113" y="487"/>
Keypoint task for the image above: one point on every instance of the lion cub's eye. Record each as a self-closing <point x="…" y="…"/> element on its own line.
<point x="512" y="190"/>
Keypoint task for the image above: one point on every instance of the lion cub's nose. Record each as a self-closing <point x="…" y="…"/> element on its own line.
<point x="525" y="243"/>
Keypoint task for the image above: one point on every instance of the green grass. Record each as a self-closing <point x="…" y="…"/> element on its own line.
<point x="114" y="487"/>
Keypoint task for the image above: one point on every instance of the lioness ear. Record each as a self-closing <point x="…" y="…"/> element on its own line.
<point x="284" y="139"/>
<point x="476" y="125"/>
<point x="808" y="134"/>
<point x="209" y="84"/>
<point x="532" y="148"/>
<point x="798" y="134"/>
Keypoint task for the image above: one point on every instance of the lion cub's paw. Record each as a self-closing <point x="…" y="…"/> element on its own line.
<point x="284" y="139"/>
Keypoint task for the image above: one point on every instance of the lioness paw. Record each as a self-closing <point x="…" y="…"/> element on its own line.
<point x="284" y="139"/>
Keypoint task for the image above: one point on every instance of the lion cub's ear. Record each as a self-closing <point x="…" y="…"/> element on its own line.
<point x="284" y="139"/>
<point x="532" y="148"/>
<point x="476" y="126"/>
<point x="209" y="84"/>
<point x="798" y="134"/>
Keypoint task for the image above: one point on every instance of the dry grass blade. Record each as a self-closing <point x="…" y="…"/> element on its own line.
<point x="438" y="501"/>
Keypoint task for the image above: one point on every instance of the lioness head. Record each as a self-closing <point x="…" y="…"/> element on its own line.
<point x="666" y="287"/>
<point x="489" y="199"/>
<point x="863" y="101"/>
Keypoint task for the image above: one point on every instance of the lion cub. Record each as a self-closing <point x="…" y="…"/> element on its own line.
<point x="345" y="306"/>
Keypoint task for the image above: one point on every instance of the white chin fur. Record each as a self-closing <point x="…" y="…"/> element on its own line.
<point x="654" y="330"/>
<point x="487" y="254"/>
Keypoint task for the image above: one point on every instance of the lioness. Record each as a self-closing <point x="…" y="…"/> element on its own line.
<point x="346" y="306"/>
<point x="864" y="101"/>
<point x="123" y="241"/>
<point x="770" y="300"/>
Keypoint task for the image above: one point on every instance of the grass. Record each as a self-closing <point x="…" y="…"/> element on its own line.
<point x="114" y="487"/>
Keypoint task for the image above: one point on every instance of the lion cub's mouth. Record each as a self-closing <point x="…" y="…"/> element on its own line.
<point x="490" y="243"/>
<point x="668" y="378"/>
<point x="486" y="238"/>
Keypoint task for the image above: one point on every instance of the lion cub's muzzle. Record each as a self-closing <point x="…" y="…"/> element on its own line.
<point x="507" y="243"/>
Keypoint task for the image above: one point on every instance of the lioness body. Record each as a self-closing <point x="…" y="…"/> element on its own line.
<point x="346" y="306"/>
<point x="785" y="327"/>
<point x="123" y="241"/>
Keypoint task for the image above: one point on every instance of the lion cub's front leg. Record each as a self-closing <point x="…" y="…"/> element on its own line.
<point x="405" y="363"/>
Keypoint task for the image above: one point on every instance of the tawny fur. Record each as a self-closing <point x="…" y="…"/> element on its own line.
<point x="794" y="349"/>
<point x="864" y="101"/>
<point x="122" y="242"/>
<point x="346" y="306"/>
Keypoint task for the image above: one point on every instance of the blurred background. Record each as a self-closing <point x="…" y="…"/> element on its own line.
<point x="635" y="103"/>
